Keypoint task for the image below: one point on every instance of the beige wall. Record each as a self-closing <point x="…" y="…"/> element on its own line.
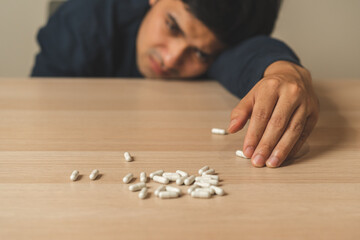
<point x="324" y="33"/>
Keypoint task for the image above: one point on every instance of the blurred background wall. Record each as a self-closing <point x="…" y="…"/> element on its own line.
<point x="324" y="33"/>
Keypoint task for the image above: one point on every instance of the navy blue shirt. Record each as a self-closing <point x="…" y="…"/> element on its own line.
<point x="97" y="38"/>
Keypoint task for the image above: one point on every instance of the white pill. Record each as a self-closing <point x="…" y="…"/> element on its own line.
<point x="202" y="184"/>
<point x="137" y="187"/>
<point x="188" y="181"/>
<point x="205" y="176"/>
<point x="180" y="181"/>
<point x="200" y="194"/>
<point x="209" y="172"/>
<point x="203" y="169"/>
<point x="171" y="176"/>
<point x="143" y="177"/>
<point x="156" y="173"/>
<point x="159" y="189"/>
<point x="143" y="193"/>
<point x="218" y="191"/>
<point x="164" y="195"/>
<point x="218" y="131"/>
<point x="208" y="180"/>
<point x="210" y="190"/>
<point x="192" y="188"/>
<point x="182" y="173"/>
<point x="240" y="153"/>
<point x="160" y="179"/>
<point x="74" y="175"/>
<point x="94" y="174"/>
<point x="128" y="178"/>
<point x="173" y="189"/>
<point x="128" y="157"/>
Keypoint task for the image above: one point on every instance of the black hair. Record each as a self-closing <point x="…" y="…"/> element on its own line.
<point x="235" y="20"/>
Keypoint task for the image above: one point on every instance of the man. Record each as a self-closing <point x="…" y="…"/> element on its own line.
<point x="221" y="39"/>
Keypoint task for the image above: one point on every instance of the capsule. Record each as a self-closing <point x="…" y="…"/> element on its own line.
<point x="208" y="172"/>
<point x="94" y="174"/>
<point x="208" y="180"/>
<point x="205" y="176"/>
<point x="209" y="189"/>
<point x="188" y="181"/>
<point x="240" y="153"/>
<point x="74" y="175"/>
<point x="159" y="189"/>
<point x="137" y="187"/>
<point x="171" y="176"/>
<point x="156" y="173"/>
<point x="160" y="179"/>
<point x="128" y="178"/>
<point x="203" y="169"/>
<point x="173" y="189"/>
<point x="180" y="181"/>
<point x="202" y="184"/>
<point x="182" y="173"/>
<point x="218" y="191"/>
<point x="128" y="157"/>
<point x="200" y="194"/>
<point x="192" y="188"/>
<point x="143" y="193"/>
<point x="218" y="131"/>
<point x="143" y="177"/>
<point x="166" y="194"/>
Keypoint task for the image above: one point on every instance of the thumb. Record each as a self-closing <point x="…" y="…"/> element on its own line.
<point x="240" y="114"/>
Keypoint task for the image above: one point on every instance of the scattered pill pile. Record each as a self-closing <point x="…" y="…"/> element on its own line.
<point x="203" y="186"/>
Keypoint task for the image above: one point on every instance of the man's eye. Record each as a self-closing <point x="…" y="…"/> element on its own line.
<point x="172" y="27"/>
<point x="201" y="56"/>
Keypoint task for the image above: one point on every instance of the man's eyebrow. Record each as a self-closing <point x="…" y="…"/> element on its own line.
<point x="173" y="19"/>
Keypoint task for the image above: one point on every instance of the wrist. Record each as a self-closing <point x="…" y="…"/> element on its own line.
<point x="285" y="67"/>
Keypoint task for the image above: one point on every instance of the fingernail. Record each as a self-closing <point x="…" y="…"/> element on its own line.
<point x="249" y="151"/>
<point x="259" y="160"/>
<point x="232" y="124"/>
<point x="272" y="162"/>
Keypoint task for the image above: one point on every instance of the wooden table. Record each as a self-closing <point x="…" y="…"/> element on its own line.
<point x="50" y="127"/>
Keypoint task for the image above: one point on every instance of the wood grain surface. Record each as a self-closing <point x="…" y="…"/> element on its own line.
<point x="50" y="127"/>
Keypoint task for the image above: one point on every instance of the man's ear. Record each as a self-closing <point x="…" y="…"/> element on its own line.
<point x="152" y="2"/>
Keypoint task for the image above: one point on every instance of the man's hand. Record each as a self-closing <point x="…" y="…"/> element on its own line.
<point x="283" y="110"/>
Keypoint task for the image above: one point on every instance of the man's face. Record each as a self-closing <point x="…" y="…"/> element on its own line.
<point x="172" y="43"/>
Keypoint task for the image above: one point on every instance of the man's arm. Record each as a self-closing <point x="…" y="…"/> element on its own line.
<point x="279" y="100"/>
<point x="239" y="68"/>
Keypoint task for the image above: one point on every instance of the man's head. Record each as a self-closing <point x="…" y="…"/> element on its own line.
<point x="181" y="38"/>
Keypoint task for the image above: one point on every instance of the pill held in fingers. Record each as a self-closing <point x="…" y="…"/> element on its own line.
<point x="128" y="178"/>
<point x="128" y="157"/>
<point x="218" y="131"/>
<point x="94" y="174"/>
<point x="240" y="153"/>
<point x="74" y="175"/>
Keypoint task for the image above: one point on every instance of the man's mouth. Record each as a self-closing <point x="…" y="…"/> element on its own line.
<point x="156" y="67"/>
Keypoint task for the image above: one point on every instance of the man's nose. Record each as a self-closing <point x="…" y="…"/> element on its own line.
<point x="174" y="56"/>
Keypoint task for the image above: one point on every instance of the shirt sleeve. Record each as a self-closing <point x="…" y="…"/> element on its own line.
<point x="239" y="68"/>
<point x="72" y="41"/>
